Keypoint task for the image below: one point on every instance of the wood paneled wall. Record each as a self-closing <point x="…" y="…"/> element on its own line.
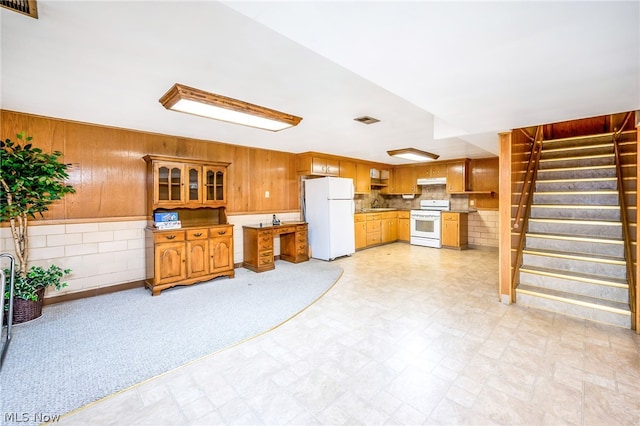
<point x="109" y="174"/>
<point x="484" y="176"/>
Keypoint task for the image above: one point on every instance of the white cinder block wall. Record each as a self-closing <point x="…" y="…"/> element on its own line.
<point x="99" y="254"/>
<point x="102" y="254"/>
<point x="483" y="228"/>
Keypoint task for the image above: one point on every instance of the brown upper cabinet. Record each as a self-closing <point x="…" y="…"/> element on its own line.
<point x="403" y="180"/>
<point x="457" y="176"/>
<point x="176" y="183"/>
<point x="362" y="183"/>
<point x="348" y="169"/>
<point x="435" y="170"/>
<point x="359" y="173"/>
<point x="317" y="165"/>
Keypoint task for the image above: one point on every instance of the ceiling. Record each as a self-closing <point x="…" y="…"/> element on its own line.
<point x="444" y="77"/>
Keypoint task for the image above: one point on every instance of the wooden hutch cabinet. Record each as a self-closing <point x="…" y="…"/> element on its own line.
<point x="202" y="248"/>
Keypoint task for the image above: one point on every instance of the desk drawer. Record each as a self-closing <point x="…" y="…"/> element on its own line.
<point x="284" y="229"/>
<point x="265" y="242"/>
<point x="266" y="258"/>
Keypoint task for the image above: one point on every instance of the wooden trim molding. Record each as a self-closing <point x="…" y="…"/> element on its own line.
<point x="92" y="292"/>
<point x="42" y="222"/>
<point x="504" y="223"/>
<point x="636" y="320"/>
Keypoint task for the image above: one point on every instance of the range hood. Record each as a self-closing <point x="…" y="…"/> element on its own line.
<point x="432" y="181"/>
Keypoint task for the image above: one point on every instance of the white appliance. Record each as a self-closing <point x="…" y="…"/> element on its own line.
<point x="432" y="181"/>
<point x="329" y="209"/>
<point x="426" y="224"/>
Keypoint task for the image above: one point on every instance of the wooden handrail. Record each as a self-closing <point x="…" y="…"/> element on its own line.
<point x="524" y="204"/>
<point x="625" y="223"/>
<point x="529" y="177"/>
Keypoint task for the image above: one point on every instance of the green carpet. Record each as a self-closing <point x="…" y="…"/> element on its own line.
<point x="84" y="350"/>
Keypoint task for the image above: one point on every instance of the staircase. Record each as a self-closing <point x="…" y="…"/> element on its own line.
<point x="573" y="261"/>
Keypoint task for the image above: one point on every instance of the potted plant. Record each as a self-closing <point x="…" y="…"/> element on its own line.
<point x="30" y="181"/>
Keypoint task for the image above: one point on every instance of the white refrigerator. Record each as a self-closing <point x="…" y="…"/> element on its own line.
<point x="329" y="209"/>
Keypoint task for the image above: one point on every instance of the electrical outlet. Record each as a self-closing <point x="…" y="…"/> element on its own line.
<point x="472" y="203"/>
<point x="266" y="194"/>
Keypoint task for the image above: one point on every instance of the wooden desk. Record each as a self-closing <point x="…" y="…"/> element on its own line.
<point x="258" y="245"/>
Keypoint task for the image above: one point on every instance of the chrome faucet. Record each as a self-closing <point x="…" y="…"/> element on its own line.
<point x="374" y="203"/>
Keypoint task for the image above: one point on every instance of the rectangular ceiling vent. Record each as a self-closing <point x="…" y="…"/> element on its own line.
<point x="26" y="7"/>
<point x="365" y="119"/>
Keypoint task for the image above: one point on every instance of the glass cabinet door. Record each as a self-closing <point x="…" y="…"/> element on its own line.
<point x="169" y="183"/>
<point x="214" y="185"/>
<point x="194" y="193"/>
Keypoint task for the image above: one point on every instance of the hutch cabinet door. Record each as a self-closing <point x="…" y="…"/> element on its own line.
<point x="221" y="254"/>
<point x="169" y="262"/>
<point x="168" y="181"/>
<point x="194" y="182"/>
<point x="197" y="258"/>
<point x="214" y="185"/>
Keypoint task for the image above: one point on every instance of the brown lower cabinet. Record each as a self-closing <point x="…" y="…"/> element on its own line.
<point x="372" y="229"/>
<point x="404" y="226"/>
<point x="388" y="227"/>
<point x="188" y="255"/>
<point x="360" y="222"/>
<point x="454" y="230"/>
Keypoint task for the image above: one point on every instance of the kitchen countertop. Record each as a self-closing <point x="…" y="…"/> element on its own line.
<point x="381" y="210"/>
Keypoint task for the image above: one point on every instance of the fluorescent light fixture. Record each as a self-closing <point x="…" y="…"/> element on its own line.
<point x="413" y="154"/>
<point x="197" y="102"/>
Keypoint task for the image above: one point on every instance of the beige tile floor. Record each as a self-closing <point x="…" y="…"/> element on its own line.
<point x="409" y="335"/>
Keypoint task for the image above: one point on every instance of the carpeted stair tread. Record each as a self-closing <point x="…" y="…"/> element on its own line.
<point x="591" y="179"/>
<point x="597" y="240"/>
<point x="580" y="276"/>
<point x="577" y="206"/>
<point x="576" y="211"/>
<point x="575" y="256"/>
<point x="577" y="221"/>
<point x="592" y="302"/>
<point x="588" y="140"/>
<point x="579" y="168"/>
